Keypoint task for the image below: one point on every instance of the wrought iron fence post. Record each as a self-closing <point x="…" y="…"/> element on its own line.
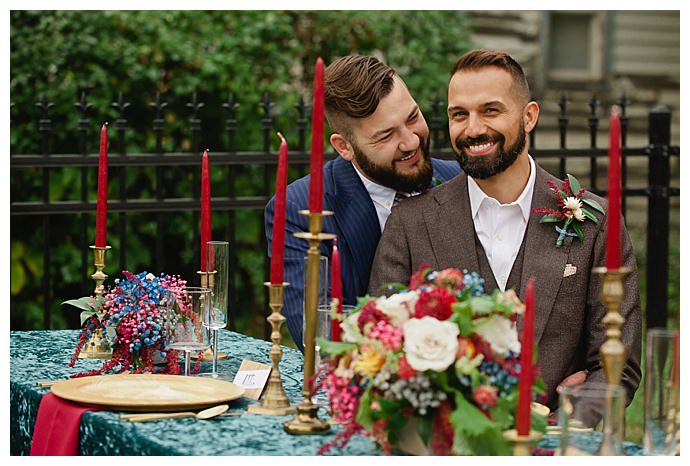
<point x="658" y="217"/>
<point x="266" y="125"/>
<point x="45" y="126"/>
<point x="231" y="127"/>
<point x="121" y="125"/>
<point x="83" y="106"/>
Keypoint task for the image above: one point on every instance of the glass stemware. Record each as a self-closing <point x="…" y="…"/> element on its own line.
<point x="185" y="323"/>
<point x="218" y="265"/>
<point x="662" y="392"/>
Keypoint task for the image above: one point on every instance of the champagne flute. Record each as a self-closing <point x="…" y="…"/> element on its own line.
<point x="217" y="270"/>
<point x="186" y="317"/>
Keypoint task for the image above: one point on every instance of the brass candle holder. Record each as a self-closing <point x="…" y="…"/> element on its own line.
<point x="97" y="346"/>
<point x="206" y="281"/>
<point x="274" y="401"/>
<point x="307" y="422"/>
<point x="522" y="444"/>
<point x="612" y="352"/>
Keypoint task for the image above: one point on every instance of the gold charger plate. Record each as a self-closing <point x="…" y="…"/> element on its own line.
<point x="147" y="392"/>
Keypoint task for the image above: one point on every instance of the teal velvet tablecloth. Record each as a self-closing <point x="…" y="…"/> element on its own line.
<point x="43" y="355"/>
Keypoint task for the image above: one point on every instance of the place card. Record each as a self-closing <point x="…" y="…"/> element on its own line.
<point x="252" y="376"/>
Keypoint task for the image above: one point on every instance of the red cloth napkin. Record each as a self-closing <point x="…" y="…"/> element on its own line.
<point x="56" y="432"/>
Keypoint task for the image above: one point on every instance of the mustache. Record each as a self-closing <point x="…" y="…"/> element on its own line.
<point x="483" y="139"/>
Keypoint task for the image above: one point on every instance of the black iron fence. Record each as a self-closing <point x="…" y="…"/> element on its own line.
<point x="45" y="211"/>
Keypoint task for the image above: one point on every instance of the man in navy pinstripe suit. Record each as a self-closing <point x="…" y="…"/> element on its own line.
<point x="383" y="143"/>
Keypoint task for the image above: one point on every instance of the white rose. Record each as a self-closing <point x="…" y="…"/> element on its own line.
<point x="499" y="332"/>
<point x="150" y="276"/>
<point x="398" y="307"/>
<point x="573" y="203"/>
<point x="430" y="343"/>
<point x="579" y="215"/>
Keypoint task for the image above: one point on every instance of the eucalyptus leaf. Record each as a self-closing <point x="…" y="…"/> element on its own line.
<point x="334" y="348"/>
<point x="549" y="218"/>
<point x="574" y="184"/>
<point x="590" y="215"/>
<point x="578" y="230"/>
<point x="594" y="205"/>
<point x="86" y="303"/>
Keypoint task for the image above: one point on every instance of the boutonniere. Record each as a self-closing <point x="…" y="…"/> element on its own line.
<point x="570" y="210"/>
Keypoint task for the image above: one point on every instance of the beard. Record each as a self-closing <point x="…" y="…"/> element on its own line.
<point x="486" y="166"/>
<point x="388" y="176"/>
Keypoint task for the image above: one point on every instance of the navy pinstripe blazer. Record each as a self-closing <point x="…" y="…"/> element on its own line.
<point x="354" y="222"/>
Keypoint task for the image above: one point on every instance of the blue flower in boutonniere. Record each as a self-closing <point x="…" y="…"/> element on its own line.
<point x="571" y="209"/>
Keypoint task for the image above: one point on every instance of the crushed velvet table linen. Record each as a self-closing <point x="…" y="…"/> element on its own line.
<point x="43" y="355"/>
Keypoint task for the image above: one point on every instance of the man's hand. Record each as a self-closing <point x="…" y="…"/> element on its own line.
<point x="572" y="380"/>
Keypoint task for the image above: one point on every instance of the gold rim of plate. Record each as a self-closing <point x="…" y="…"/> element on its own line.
<point x="147" y="392"/>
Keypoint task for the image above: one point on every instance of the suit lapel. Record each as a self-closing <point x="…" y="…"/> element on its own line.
<point x="355" y="217"/>
<point x="542" y="260"/>
<point x="450" y="227"/>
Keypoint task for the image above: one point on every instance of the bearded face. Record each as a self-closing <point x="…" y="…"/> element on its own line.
<point x="485" y="166"/>
<point x="390" y="175"/>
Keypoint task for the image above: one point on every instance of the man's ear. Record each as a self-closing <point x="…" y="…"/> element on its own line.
<point x="531" y="115"/>
<point x="342" y="146"/>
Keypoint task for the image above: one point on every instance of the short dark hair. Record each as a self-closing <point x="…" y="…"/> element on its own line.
<point x="353" y="87"/>
<point x="482" y="58"/>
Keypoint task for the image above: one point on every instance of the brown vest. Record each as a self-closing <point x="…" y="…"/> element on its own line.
<point x="515" y="277"/>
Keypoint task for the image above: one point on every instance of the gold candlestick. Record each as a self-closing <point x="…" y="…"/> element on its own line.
<point x="97" y="346"/>
<point x="274" y="401"/>
<point x="206" y="280"/>
<point x="613" y="353"/>
<point x="522" y="444"/>
<point x="307" y="422"/>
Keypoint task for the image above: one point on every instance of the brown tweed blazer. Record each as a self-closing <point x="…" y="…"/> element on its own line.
<point x="437" y="228"/>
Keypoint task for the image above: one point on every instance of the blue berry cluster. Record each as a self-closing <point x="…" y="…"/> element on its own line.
<point x="498" y="377"/>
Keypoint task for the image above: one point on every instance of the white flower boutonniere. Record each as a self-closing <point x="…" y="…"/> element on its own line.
<point x="571" y="209"/>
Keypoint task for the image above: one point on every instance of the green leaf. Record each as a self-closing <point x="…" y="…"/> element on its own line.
<point x="364" y="414"/>
<point x="578" y="230"/>
<point x="549" y="218"/>
<point x="594" y="205"/>
<point x="397" y="286"/>
<point x="462" y="315"/>
<point x="334" y="348"/>
<point x="590" y="215"/>
<point x="574" y="184"/>
<point x="425" y="427"/>
<point x="481" y="304"/>
<point x="85" y="303"/>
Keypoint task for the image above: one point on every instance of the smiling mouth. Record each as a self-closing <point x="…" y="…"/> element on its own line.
<point x="479" y="149"/>
<point x="408" y="157"/>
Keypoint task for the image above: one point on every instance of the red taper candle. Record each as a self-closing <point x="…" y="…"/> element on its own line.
<point x="205" y="208"/>
<point x="613" y="226"/>
<point x="524" y="413"/>
<point x="102" y="200"/>
<point x="336" y="291"/>
<point x="316" y="160"/>
<point x="278" y="240"/>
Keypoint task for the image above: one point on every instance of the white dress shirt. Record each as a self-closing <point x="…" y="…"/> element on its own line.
<point x="382" y="197"/>
<point x="501" y="227"/>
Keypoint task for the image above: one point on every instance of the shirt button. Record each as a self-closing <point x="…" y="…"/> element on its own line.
<point x="499" y="237"/>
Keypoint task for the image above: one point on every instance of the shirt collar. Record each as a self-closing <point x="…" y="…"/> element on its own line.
<point x="380" y="194"/>
<point x="524" y="200"/>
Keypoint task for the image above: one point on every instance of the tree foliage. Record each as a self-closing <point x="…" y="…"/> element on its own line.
<point x="215" y="54"/>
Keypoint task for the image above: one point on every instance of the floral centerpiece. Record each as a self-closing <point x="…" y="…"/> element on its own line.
<point x="439" y="357"/>
<point x="129" y="313"/>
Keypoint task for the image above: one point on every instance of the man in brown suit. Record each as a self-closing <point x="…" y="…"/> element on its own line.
<point x="482" y="221"/>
